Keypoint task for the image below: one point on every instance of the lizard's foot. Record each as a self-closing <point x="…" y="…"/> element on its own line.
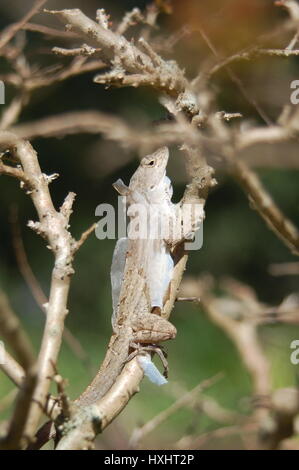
<point x="157" y="311"/>
<point x="153" y="348"/>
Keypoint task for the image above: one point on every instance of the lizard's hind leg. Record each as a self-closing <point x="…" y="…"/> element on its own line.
<point x="153" y="348"/>
<point x="162" y="355"/>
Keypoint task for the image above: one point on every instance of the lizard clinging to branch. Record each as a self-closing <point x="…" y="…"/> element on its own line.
<point x="142" y="267"/>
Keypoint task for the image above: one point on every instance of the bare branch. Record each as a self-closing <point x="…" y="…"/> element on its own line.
<point x="102" y="18"/>
<point x="36" y="290"/>
<point x="189" y="397"/>
<point x="236" y="80"/>
<point x="10" y="32"/>
<point x="130" y="19"/>
<point x="196" y="442"/>
<point x="17" y="173"/>
<point x="84" y="50"/>
<point x="13" y="111"/>
<point x="14" y="335"/>
<point x="89" y="420"/>
<point x="269" y="135"/>
<point x="54" y="226"/>
<point x="77" y="67"/>
<point x="266" y="207"/>
<point x="225" y="313"/>
<point x="253" y="53"/>
<point x="284" y="269"/>
<point x="15" y="438"/>
<point x="51" y="32"/>
<point x="7" y="400"/>
<point x="129" y="64"/>
<point x="13" y="370"/>
<point x="112" y="127"/>
<point x="84" y="236"/>
<point x="280" y="423"/>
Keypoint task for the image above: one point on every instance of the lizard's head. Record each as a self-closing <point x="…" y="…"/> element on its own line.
<point x="152" y="169"/>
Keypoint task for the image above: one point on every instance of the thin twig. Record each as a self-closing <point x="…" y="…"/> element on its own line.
<point x="14" y="335"/>
<point x="284" y="269"/>
<point x="11" y="31"/>
<point x="12" y="369"/>
<point x="241" y="330"/>
<point x="8" y="399"/>
<point x="77" y="67"/>
<point x="195" y="442"/>
<point x="51" y="32"/>
<point x="265" y="205"/>
<point x="15" y="438"/>
<point x="12" y="112"/>
<point x="130" y="19"/>
<point x="131" y="65"/>
<point x="237" y="81"/>
<point x="36" y="289"/>
<point x="84" y="50"/>
<point x="84" y="236"/>
<point x="18" y="174"/>
<point x="184" y="400"/>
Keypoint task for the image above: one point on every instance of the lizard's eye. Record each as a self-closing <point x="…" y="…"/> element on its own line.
<point x="150" y="163"/>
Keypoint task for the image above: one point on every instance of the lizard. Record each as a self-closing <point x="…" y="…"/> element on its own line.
<point x="142" y="268"/>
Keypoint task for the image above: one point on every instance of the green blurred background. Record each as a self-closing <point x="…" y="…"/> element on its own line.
<point x="237" y="243"/>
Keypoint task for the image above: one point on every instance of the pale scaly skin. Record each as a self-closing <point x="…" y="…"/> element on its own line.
<point x="141" y="291"/>
<point x="148" y="261"/>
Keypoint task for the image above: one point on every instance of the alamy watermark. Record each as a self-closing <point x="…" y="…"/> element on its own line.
<point x="294" y="97"/>
<point x="151" y="222"/>
<point x="2" y="353"/>
<point x="294" y="357"/>
<point x="2" y="92"/>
